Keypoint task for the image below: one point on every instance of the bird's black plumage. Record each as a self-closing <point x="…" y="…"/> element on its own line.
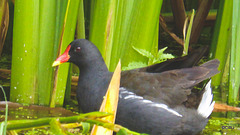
<point x="150" y="99"/>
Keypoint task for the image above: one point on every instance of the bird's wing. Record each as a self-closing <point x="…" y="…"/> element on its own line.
<point x="170" y="87"/>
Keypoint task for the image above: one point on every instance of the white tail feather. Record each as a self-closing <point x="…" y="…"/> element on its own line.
<point x="206" y="105"/>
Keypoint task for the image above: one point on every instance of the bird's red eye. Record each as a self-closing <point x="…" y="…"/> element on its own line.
<point x="77" y="49"/>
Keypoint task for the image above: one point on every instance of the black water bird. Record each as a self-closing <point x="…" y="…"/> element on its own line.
<point x="152" y="99"/>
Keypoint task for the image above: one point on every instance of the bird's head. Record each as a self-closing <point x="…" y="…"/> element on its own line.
<point x="79" y="52"/>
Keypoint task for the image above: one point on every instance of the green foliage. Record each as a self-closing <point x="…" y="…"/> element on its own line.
<point x="67" y="36"/>
<point x="225" y="47"/>
<point x="189" y="30"/>
<point x="29" y="123"/>
<point x="152" y="59"/>
<point x="81" y="21"/>
<point x="87" y="119"/>
<point x="37" y="131"/>
<point x="234" y="69"/>
<point x="25" y="52"/>
<point x="161" y="57"/>
<point x="218" y="125"/>
<point x="221" y="40"/>
<point x="39" y="27"/>
<point x="55" y="127"/>
<point x="122" y="24"/>
<point x="86" y="127"/>
<point x="122" y="132"/>
<point x="47" y="20"/>
<point x="134" y="65"/>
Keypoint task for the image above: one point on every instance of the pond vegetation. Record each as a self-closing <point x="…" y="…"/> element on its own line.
<point x="139" y="32"/>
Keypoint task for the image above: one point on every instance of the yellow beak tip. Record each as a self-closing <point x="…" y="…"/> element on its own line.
<point x="56" y="63"/>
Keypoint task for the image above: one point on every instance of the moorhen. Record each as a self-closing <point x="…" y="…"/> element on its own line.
<point x="151" y="100"/>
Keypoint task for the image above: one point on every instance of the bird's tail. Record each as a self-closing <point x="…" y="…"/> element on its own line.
<point x="206" y="105"/>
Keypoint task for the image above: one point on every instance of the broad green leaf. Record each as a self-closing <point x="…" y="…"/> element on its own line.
<point x="221" y="39"/>
<point x="25" y="52"/>
<point x="116" y="26"/>
<point x="67" y="36"/>
<point x="234" y="70"/>
<point x="47" y="30"/>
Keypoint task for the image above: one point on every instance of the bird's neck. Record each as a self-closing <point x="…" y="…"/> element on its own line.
<point x="93" y="72"/>
<point x="93" y="68"/>
<point x="93" y="82"/>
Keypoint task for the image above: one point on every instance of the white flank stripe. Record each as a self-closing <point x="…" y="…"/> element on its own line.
<point x="167" y="108"/>
<point x="131" y="95"/>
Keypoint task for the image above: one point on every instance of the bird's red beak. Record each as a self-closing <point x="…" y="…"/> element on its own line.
<point x="62" y="58"/>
